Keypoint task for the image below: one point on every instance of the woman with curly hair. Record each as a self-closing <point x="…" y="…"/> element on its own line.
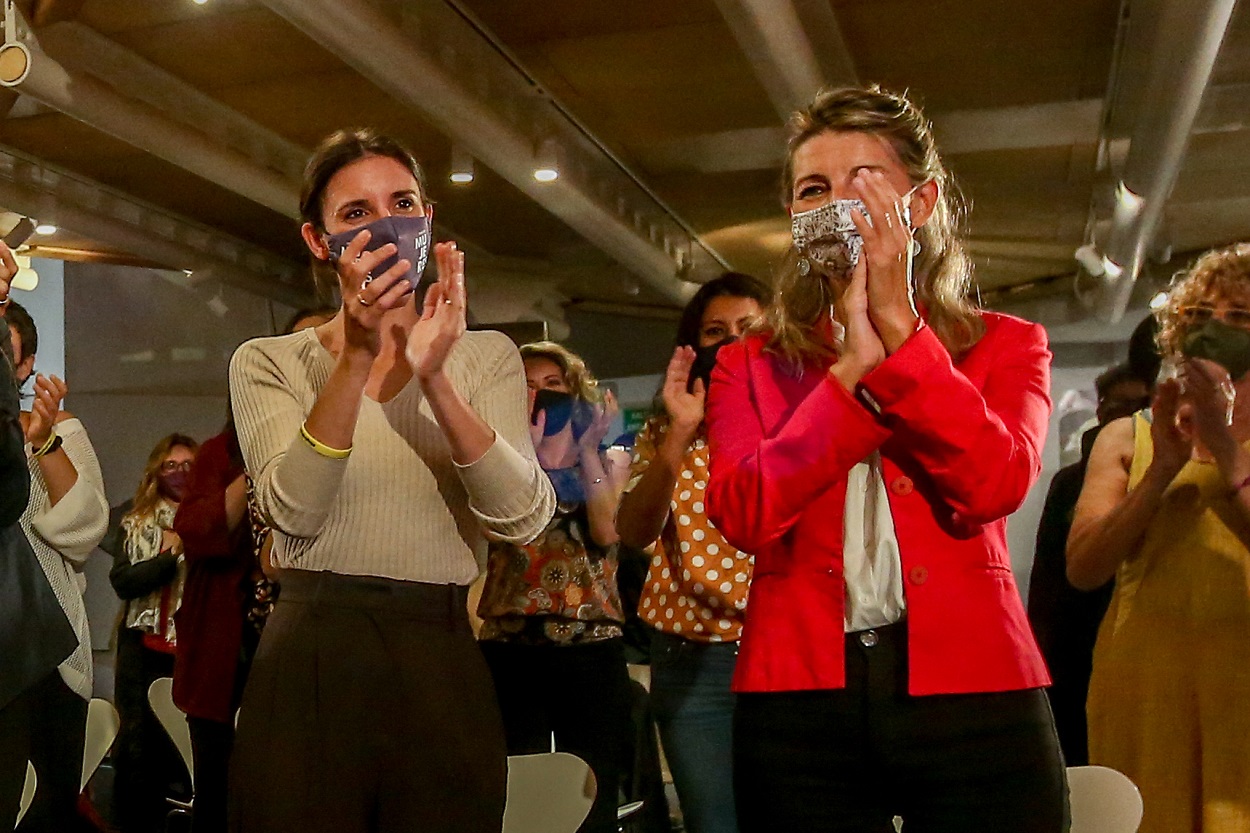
<point x="1165" y="510"/>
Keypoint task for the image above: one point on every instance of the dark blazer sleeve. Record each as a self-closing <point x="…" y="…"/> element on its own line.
<point x="14" y="476"/>
<point x="131" y="581"/>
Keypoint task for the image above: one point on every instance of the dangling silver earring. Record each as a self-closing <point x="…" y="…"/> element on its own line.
<point x="915" y="247"/>
<point x="805" y="266"/>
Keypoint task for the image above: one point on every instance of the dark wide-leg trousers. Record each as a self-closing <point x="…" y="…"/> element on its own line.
<point x="369" y="708"/>
<point x="851" y="759"/>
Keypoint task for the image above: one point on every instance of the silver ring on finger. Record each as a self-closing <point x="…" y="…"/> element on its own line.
<point x="360" y="299"/>
<point x="365" y="283"/>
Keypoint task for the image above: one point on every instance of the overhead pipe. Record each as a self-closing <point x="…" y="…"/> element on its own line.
<point x="366" y="39"/>
<point x="35" y="189"/>
<point x="98" y="105"/>
<point x="1186" y="45"/>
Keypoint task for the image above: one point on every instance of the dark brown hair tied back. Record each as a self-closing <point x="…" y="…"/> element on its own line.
<point x="338" y="150"/>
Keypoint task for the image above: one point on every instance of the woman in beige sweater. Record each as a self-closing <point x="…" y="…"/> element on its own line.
<point x="386" y="446"/>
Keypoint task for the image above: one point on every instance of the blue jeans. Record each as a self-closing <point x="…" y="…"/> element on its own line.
<point x="694" y="709"/>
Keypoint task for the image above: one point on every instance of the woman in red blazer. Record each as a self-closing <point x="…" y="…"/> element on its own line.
<point x="868" y="448"/>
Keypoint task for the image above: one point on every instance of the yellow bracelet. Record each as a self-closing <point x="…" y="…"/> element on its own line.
<point x="48" y="445"/>
<point x="321" y="448"/>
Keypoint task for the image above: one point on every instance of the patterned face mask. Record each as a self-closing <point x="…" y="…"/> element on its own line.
<point x="827" y="238"/>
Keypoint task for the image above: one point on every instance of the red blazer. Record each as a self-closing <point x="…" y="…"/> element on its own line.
<point x="210" y="620"/>
<point x="961" y="445"/>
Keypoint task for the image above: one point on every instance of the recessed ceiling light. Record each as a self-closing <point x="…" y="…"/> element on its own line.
<point x="45" y="228"/>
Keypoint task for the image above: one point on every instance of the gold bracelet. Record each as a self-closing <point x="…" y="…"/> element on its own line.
<point x="321" y="448"/>
<point x="49" y="445"/>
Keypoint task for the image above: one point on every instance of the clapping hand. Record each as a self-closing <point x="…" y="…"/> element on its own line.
<point x="443" y="319"/>
<point x="684" y="403"/>
<point x="49" y="393"/>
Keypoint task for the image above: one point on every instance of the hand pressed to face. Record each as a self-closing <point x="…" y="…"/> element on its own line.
<point x="1172" y="446"/>
<point x="1209" y="394"/>
<point x="862" y="166"/>
<point x="443" y="319"/>
<point x="359" y="193"/>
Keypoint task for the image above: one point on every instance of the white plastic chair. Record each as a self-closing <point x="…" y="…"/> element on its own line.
<point x="102" y="727"/>
<point x="28" y="792"/>
<point x="548" y="793"/>
<point x="1103" y="800"/>
<point x="161" y="699"/>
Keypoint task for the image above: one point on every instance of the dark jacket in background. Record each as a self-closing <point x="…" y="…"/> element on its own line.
<point x="1065" y="620"/>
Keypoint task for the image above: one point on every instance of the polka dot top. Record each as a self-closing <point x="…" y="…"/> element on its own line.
<point x="697" y="582"/>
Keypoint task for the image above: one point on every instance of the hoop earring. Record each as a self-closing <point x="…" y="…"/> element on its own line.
<point x="805" y="266"/>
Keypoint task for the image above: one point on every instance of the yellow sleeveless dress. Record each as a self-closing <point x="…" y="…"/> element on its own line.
<point x="1169" y="700"/>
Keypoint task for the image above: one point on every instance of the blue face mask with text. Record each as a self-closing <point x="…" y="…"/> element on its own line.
<point x="409" y="233"/>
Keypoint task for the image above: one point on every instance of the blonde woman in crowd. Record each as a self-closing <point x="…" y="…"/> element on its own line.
<point x="867" y="448"/>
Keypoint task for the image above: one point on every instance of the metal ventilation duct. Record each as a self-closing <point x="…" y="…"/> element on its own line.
<point x="446" y="71"/>
<point x="1183" y="51"/>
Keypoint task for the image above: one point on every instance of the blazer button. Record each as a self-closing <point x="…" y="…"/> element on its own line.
<point x="918" y="574"/>
<point x="902" y="486"/>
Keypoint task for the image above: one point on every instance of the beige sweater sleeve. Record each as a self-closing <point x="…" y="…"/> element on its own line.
<point x="295" y="486"/>
<point x="508" y="491"/>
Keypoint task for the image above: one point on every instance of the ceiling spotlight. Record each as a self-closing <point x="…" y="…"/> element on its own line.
<point x="461" y="166"/>
<point x="199" y="2"/>
<point x="45" y="228"/>
<point x="546" y="161"/>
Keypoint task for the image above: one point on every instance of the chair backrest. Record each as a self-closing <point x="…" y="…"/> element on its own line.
<point x="28" y="792"/>
<point x="1103" y="800"/>
<point x="102" y="727"/>
<point x="161" y="699"/>
<point x="548" y="793"/>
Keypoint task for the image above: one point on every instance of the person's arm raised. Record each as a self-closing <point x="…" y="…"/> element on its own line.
<point x="644" y="509"/>
<point x="1110" y="521"/>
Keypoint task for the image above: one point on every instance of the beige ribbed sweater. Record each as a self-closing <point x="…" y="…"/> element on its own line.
<point x="398" y="507"/>
<point x="63" y="537"/>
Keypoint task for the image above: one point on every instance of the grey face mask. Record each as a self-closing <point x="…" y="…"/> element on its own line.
<point x="827" y="237"/>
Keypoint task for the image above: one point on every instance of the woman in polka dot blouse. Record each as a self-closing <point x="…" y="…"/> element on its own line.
<point x="696" y="588"/>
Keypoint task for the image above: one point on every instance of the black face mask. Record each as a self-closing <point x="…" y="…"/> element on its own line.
<point x="704" y="362"/>
<point x="561" y="408"/>
<point x="1221" y="343"/>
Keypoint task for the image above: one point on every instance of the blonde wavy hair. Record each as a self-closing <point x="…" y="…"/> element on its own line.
<point x="148" y="495"/>
<point x="942" y="269"/>
<point x="1219" y="273"/>
<point x="577" y="375"/>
